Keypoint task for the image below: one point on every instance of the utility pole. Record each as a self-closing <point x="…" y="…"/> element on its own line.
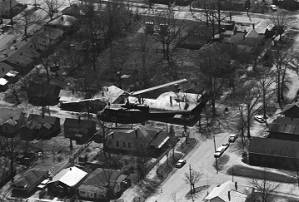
<point x="216" y="159"/>
<point x="190" y="178"/>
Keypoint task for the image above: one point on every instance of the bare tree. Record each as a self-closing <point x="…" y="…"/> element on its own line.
<point x="51" y="7"/>
<point x="264" y="187"/>
<point x="191" y="178"/>
<point x="280" y="21"/>
<point x="169" y="32"/>
<point x="248" y="97"/>
<point x="27" y="19"/>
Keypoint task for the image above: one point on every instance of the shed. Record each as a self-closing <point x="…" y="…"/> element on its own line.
<point x="79" y="130"/>
<point x="274" y="153"/>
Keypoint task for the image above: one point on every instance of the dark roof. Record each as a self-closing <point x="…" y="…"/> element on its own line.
<point x="274" y="147"/>
<point x="160" y="139"/>
<point x="43" y="94"/>
<point x="79" y="123"/>
<point x="100" y="177"/>
<point x="285" y="125"/>
<point x="36" y="121"/>
<point x="30" y="178"/>
<point x="290" y="107"/>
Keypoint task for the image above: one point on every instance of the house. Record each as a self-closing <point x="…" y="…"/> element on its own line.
<point x="224" y="193"/>
<point x="27" y="183"/>
<point x="79" y="130"/>
<point x="10" y="120"/>
<point x="101" y="183"/>
<point x="41" y="93"/>
<point x="284" y="128"/>
<point x="273" y="153"/>
<point x="66" y="180"/>
<point x="136" y="140"/>
<point x="38" y="126"/>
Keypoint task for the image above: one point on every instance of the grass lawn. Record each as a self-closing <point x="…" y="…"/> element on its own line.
<point x="239" y="170"/>
<point x="187" y="147"/>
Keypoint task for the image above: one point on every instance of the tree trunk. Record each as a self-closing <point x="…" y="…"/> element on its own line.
<point x="213" y="97"/>
<point x="71" y="144"/>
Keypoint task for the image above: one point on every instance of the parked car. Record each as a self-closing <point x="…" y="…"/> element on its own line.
<point x="273" y="7"/>
<point x="217" y="154"/>
<point x="232" y="138"/>
<point x="180" y="163"/>
<point x="220" y="150"/>
<point x="259" y="118"/>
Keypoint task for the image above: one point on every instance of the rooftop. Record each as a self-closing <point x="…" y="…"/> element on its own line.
<point x="274" y="147"/>
<point x="69" y="176"/>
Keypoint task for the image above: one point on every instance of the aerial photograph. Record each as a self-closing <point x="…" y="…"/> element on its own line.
<point x="149" y="100"/>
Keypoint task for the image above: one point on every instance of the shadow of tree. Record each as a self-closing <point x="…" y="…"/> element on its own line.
<point x="198" y="190"/>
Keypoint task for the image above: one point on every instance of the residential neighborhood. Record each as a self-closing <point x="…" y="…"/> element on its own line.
<point x="149" y="101"/>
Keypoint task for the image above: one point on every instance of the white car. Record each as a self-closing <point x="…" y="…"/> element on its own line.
<point x="273" y="7"/>
<point x="219" y="151"/>
<point x="259" y="118"/>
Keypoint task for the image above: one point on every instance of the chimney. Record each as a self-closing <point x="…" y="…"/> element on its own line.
<point x="70" y="168"/>
<point x="228" y="195"/>
<point x="253" y="26"/>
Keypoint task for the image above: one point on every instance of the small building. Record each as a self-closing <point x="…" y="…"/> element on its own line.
<point x="285" y="128"/>
<point x="79" y="130"/>
<point x="28" y="182"/>
<point x="226" y="192"/>
<point x="274" y="153"/>
<point x="101" y="184"/>
<point x="65" y="182"/>
<point x="139" y="139"/>
<point x="38" y="126"/>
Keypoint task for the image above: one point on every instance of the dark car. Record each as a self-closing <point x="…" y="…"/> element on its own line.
<point x="180" y="163"/>
<point x="232" y="138"/>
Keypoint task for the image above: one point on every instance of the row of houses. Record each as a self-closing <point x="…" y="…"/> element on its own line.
<point x="98" y="184"/>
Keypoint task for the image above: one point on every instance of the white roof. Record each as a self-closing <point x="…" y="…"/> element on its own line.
<point x="69" y="176"/>
<point x="11" y="73"/>
<point x="3" y="81"/>
<point x="221" y="192"/>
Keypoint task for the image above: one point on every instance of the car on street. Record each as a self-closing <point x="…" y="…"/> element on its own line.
<point x="273" y="7"/>
<point x="232" y="138"/>
<point x="180" y="163"/>
<point x="220" y="150"/>
<point x="259" y="118"/>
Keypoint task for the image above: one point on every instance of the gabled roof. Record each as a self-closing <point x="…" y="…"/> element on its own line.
<point x="140" y="133"/>
<point x="30" y="178"/>
<point x="69" y="176"/>
<point x="221" y="192"/>
<point x="274" y="147"/>
<point x="36" y="121"/>
<point x="101" y="177"/>
<point x="160" y="139"/>
<point x="285" y="125"/>
<point x="79" y="123"/>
